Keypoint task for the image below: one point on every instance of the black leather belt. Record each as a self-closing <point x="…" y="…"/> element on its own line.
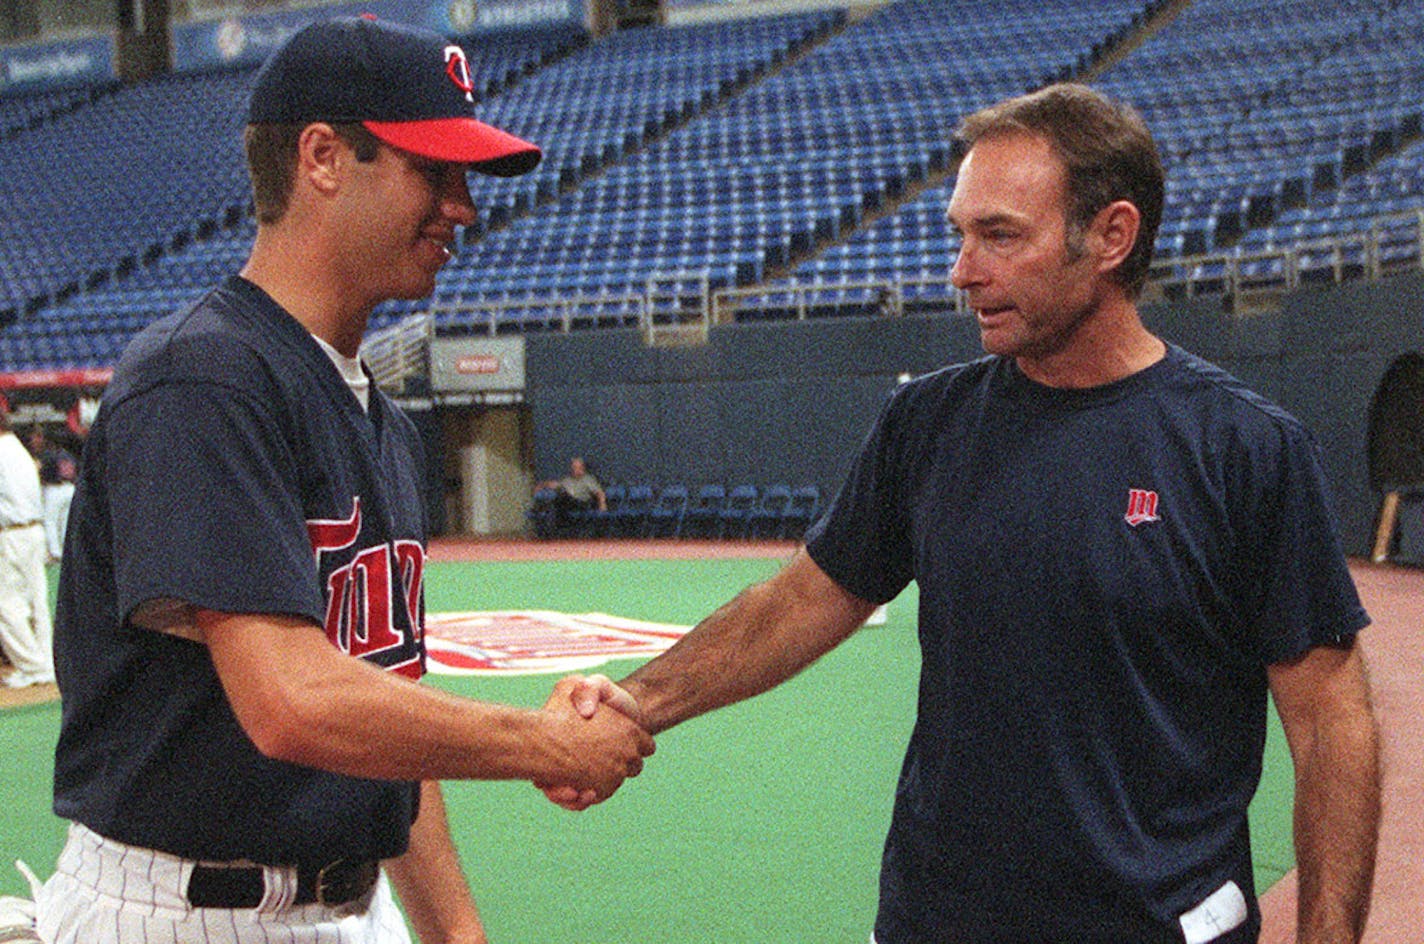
<point x="216" y="886"/>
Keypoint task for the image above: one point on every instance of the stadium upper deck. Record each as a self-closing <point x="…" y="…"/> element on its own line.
<point x="798" y="163"/>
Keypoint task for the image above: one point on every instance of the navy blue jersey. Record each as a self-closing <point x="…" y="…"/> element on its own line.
<point x="1104" y="576"/>
<point x="231" y="468"/>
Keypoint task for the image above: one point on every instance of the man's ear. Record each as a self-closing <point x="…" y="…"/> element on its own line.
<point x="320" y="154"/>
<point x="1113" y="233"/>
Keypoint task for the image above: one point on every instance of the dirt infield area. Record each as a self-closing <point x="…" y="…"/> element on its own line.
<point x="30" y="695"/>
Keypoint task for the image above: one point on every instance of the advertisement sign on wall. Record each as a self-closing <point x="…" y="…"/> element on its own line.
<point x="476" y="364"/>
<point x="248" y="40"/>
<point x="38" y="66"/>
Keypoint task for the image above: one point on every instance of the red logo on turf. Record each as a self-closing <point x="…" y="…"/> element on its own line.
<point x="1141" y="507"/>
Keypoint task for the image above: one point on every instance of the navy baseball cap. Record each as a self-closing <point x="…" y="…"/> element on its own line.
<point x="410" y="87"/>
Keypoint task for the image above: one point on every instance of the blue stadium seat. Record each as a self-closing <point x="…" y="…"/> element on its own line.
<point x="598" y="522"/>
<point x="630" y="518"/>
<point x="735" y="516"/>
<point x="541" y="515"/>
<point x="704" y="511"/>
<point x="802" y="511"/>
<point x="765" y="520"/>
<point x="665" y="516"/>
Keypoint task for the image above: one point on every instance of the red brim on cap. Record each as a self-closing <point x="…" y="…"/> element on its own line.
<point x="461" y="141"/>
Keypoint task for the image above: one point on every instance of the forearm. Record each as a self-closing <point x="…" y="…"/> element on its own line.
<point x="723" y="660"/>
<point x="332" y="720"/>
<point x="429" y="881"/>
<point x="764" y="636"/>
<point x="301" y="700"/>
<point x="1337" y="813"/>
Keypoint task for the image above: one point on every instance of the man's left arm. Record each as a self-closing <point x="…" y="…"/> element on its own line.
<point x="429" y="881"/>
<point x="1323" y="699"/>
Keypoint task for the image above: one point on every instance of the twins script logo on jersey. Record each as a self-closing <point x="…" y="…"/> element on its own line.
<point x="457" y="67"/>
<point x="1141" y="507"/>
<point x="365" y="615"/>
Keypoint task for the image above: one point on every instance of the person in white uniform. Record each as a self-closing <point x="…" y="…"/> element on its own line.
<point x="25" y="628"/>
<point x="58" y="471"/>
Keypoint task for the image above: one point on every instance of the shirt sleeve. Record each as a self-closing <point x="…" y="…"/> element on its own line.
<point x="1307" y="597"/>
<point x="862" y="541"/>
<point x="205" y="502"/>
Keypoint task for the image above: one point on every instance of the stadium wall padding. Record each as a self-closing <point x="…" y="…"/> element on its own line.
<point x="791" y="402"/>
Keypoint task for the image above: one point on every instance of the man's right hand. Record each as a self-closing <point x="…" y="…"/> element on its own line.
<point x="602" y="748"/>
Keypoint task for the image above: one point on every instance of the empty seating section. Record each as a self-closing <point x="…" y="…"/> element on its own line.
<point x="91" y="328"/>
<point x="883" y="100"/>
<point x="106" y="185"/>
<point x="789" y="162"/>
<point x="1266" y="112"/>
<point x="761" y="152"/>
<point x="499" y="60"/>
<point x="915" y="247"/>
<point x="1384" y="196"/>
<point x="119" y="211"/>
<point x="1269" y="117"/>
<point x="21" y="111"/>
<point x="647" y="214"/>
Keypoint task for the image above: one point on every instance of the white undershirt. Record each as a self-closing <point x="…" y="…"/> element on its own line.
<point x="351" y="372"/>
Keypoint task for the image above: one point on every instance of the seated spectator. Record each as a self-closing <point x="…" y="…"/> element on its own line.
<point x="576" y="492"/>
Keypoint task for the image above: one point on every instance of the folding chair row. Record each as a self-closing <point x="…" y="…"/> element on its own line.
<point x="675" y="510"/>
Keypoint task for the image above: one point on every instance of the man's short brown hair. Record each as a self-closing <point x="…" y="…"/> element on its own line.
<point x="272" y="161"/>
<point x="1106" y="148"/>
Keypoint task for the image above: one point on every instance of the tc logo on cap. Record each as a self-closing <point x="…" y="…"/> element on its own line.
<point x="457" y="67"/>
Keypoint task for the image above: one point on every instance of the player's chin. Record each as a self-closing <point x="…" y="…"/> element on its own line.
<point x="1000" y="341"/>
<point x="417" y="286"/>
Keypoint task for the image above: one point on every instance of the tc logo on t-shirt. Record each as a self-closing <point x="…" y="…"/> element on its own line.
<point x="1141" y="507"/>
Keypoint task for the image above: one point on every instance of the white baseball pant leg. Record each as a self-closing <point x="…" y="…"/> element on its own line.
<point x="107" y="891"/>
<point x="57" y="499"/>
<point x="26" y="630"/>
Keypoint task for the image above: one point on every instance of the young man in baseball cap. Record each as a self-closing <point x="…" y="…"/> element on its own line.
<point x="242" y="752"/>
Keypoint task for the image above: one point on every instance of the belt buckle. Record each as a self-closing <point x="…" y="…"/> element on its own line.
<point x="349" y="881"/>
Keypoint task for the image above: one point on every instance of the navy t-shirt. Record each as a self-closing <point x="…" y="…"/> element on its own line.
<point x="1104" y="576"/>
<point x="231" y="468"/>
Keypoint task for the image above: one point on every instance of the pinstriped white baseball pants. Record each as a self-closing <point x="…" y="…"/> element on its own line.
<point x="109" y="892"/>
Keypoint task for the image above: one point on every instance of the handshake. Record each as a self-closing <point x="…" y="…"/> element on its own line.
<point x="598" y="741"/>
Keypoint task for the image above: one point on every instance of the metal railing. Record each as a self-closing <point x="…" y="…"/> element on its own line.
<point x="1368" y="254"/>
<point x="544" y="313"/>
<point x="874" y="297"/>
<point x="399" y="351"/>
<point x="679" y="305"/>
